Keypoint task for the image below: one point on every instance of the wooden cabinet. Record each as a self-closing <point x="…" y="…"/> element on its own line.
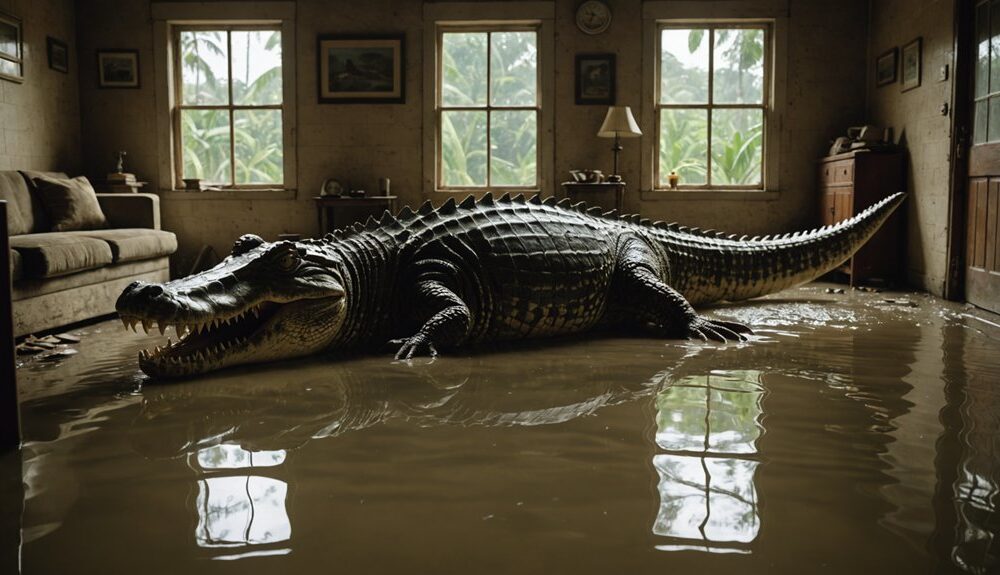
<point x="608" y="195"/>
<point x="848" y="184"/>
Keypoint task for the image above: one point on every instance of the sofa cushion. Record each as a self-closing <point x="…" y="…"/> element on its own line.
<point x="70" y="204"/>
<point x="37" y="220"/>
<point x="133" y="244"/>
<point x="15" y="265"/>
<point x="55" y="254"/>
<point x="14" y="190"/>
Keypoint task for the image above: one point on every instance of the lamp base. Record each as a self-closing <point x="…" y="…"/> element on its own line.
<point x="614" y="178"/>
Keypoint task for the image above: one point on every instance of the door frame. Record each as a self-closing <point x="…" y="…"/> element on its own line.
<point x="963" y="45"/>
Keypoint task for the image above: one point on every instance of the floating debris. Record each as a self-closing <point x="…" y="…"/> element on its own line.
<point x="834" y="290"/>
<point x="58" y="354"/>
<point x="68" y="337"/>
<point x="900" y="302"/>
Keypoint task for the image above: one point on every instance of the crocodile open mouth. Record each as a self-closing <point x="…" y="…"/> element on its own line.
<point x="201" y="341"/>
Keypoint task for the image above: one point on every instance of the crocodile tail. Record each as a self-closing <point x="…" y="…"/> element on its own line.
<point x="707" y="267"/>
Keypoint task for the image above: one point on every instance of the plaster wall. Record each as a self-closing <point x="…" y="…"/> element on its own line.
<point x="40" y="118"/>
<point x="919" y="126"/>
<point x="357" y="144"/>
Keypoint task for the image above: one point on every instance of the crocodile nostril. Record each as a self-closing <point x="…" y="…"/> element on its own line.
<point x="152" y="290"/>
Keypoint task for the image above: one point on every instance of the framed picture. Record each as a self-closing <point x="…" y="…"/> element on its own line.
<point x="595" y="79"/>
<point x="118" y="69"/>
<point x="885" y="67"/>
<point x="911" y="65"/>
<point x="360" y="69"/>
<point x="11" y="49"/>
<point x="58" y="54"/>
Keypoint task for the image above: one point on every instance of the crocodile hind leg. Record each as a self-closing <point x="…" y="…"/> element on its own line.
<point x="640" y="281"/>
<point x="444" y="316"/>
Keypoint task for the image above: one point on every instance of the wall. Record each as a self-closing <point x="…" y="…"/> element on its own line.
<point x="360" y="143"/>
<point x="40" y="118"/>
<point x="919" y="125"/>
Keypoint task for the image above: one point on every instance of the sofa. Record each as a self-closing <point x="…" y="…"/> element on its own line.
<point x="69" y="276"/>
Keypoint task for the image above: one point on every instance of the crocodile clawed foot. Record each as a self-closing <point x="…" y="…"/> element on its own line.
<point x="416" y="346"/>
<point x="716" y="330"/>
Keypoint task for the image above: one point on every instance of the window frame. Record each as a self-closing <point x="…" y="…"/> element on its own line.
<point x="711" y="26"/>
<point x="488" y="107"/>
<point x="166" y="15"/>
<point x="179" y="106"/>
<point x="693" y="12"/>
<point x="446" y="14"/>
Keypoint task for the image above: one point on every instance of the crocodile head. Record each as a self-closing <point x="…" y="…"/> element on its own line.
<point x="265" y="301"/>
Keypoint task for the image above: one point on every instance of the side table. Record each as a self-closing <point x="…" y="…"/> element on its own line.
<point x="597" y="194"/>
<point x="327" y="208"/>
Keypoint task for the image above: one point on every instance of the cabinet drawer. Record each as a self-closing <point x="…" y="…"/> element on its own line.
<point x="843" y="172"/>
<point x="826" y="173"/>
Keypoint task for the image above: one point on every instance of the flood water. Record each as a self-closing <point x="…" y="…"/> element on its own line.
<point x="852" y="435"/>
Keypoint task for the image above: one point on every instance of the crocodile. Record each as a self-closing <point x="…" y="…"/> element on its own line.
<point x="485" y="270"/>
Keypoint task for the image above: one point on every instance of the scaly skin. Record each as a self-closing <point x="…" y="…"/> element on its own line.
<point x="481" y="271"/>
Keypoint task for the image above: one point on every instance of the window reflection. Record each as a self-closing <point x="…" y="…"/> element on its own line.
<point x="241" y="509"/>
<point x="708" y="426"/>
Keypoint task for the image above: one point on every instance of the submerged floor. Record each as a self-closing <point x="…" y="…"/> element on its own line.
<point x="856" y="433"/>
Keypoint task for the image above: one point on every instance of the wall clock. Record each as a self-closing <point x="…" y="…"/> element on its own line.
<point x="593" y="17"/>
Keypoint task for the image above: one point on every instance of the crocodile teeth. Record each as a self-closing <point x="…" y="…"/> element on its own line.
<point x="163" y="327"/>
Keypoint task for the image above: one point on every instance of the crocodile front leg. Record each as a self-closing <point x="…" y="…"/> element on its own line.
<point x="640" y="275"/>
<point x="447" y="317"/>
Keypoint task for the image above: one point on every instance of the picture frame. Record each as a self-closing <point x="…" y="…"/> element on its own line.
<point x="11" y="48"/>
<point x="911" y="65"/>
<point x="118" y="69"/>
<point x="58" y="53"/>
<point x="886" y="66"/>
<point x="595" y="79"/>
<point x="360" y="69"/>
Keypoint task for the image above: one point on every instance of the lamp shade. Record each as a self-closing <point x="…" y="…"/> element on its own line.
<point x="619" y="122"/>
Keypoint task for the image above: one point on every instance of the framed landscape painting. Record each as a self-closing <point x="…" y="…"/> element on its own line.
<point x="356" y="69"/>
<point x="885" y="68"/>
<point x="911" y="65"/>
<point x="58" y="54"/>
<point x="118" y="69"/>
<point x="595" y="79"/>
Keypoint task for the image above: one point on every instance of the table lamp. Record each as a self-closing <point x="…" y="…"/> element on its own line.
<point x="619" y="123"/>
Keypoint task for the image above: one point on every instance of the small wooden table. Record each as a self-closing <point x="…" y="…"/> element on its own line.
<point x="118" y="187"/>
<point x="327" y="206"/>
<point x="596" y="194"/>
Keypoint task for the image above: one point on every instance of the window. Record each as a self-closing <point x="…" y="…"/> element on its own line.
<point x="711" y="107"/>
<point x="487" y="108"/>
<point x="229" y="105"/>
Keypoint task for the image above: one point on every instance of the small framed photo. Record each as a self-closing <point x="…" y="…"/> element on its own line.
<point x="118" y="69"/>
<point x="58" y="54"/>
<point x="360" y="69"/>
<point x="885" y="67"/>
<point x="595" y="79"/>
<point x="911" y="65"/>
<point x="11" y="49"/>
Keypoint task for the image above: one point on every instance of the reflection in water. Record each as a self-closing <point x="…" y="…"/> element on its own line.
<point x="709" y="426"/>
<point x="240" y="510"/>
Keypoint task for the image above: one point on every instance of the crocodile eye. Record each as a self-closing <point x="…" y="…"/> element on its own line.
<point x="288" y="262"/>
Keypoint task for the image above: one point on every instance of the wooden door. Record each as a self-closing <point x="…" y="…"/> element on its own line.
<point x="982" y="247"/>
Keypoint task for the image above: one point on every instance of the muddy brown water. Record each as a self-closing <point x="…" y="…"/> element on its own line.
<point x="853" y="435"/>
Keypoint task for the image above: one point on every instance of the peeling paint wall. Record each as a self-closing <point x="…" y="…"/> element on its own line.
<point x="40" y="118"/>
<point x="358" y="144"/>
<point x="920" y="127"/>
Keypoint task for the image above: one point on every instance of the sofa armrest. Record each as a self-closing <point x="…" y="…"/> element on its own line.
<point x="131" y="210"/>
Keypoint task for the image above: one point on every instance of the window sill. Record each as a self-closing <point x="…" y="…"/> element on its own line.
<point x="190" y="195"/>
<point x="708" y="195"/>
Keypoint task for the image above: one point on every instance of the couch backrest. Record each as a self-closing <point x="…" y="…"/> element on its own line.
<point x="24" y="211"/>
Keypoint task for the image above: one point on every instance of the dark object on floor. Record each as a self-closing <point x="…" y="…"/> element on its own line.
<point x="473" y="272"/>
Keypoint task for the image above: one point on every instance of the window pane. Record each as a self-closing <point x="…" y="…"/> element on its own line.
<point x="737" y="147"/>
<point x="513" y="136"/>
<point x="513" y="76"/>
<point x="993" y="133"/>
<point x="738" y="76"/>
<point x="463" y="69"/>
<point x="463" y="148"/>
<point x="982" y="50"/>
<point x="205" y="137"/>
<point x="684" y="146"/>
<point x="204" y="67"/>
<point x="257" y="67"/>
<point x="995" y="47"/>
<point x="257" y="135"/>
<point x="979" y="125"/>
<point x="684" y="66"/>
